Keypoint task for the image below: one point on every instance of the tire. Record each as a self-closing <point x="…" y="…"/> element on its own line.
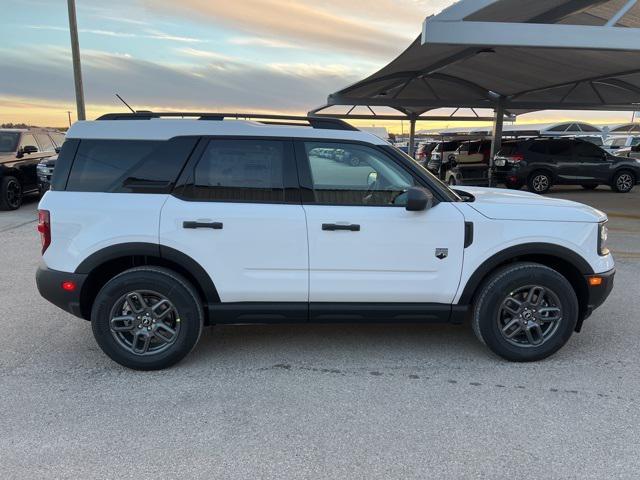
<point x="589" y="187"/>
<point x="10" y="193"/>
<point x="156" y="285"/>
<point x="490" y="318"/>
<point x="539" y="182"/>
<point x="354" y="161"/>
<point x="623" y="181"/>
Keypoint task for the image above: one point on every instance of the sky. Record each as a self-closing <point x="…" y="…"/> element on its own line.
<point x="261" y="56"/>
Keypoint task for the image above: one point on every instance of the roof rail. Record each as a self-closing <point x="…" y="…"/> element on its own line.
<point x="323" y="123"/>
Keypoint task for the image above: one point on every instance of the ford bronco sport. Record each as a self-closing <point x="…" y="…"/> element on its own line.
<point x="155" y="227"/>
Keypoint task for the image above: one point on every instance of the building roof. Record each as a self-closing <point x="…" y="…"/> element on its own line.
<point x="548" y="54"/>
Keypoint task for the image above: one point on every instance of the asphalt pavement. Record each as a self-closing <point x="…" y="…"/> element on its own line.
<point x="320" y="401"/>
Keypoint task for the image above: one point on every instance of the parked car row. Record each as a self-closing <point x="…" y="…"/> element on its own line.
<point x="21" y="150"/>
<point x="539" y="163"/>
<point x="542" y="162"/>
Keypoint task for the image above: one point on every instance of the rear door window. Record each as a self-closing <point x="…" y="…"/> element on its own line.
<point x="128" y="166"/>
<point x="241" y="170"/>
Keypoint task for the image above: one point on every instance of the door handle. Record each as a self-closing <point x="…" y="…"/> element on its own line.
<point x="192" y="224"/>
<point x="336" y="226"/>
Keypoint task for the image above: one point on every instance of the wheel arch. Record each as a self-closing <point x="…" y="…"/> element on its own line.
<point x="565" y="261"/>
<point x="104" y="264"/>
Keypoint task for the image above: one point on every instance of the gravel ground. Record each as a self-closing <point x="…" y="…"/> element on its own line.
<point x="316" y="401"/>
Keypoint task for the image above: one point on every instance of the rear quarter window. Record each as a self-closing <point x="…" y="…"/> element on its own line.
<point x="128" y="166"/>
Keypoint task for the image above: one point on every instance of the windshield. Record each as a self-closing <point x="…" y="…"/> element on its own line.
<point x="9" y="141"/>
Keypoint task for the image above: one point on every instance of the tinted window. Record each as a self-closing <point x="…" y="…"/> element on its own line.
<point x="46" y="145"/>
<point x="508" y="149"/>
<point x="560" y="148"/>
<point x="635" y="141"/>
<point x="28" y="140"/>
<point x="128" y="166"/>
<point x="348" y="174"/>
<point x="585" y="149"/>
<point x="9" y="141"/>
<point x="240" y="171"/>
<point x="539" y="147"/>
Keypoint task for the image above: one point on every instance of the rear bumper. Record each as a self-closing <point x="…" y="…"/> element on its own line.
<point x="49" y="284"/>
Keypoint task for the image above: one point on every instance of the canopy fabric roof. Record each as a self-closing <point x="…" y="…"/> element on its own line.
<point x="596" y="75"/>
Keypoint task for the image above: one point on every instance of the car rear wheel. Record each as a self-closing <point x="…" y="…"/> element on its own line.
<point x="539" y="182"/>
<point x="147" y="318"/>
<point x="10" y="193"/>
<point x="623" y="182"/>
<point x="525" y="312"/>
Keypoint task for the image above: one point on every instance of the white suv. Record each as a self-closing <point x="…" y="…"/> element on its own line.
<point x="155" y="227"/>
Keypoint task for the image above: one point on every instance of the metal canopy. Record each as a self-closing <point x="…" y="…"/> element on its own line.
<point x="478" y="51"/>
<point x="514" y="56"/>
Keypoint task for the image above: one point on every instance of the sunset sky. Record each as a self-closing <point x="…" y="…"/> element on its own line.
<point x="224" y="55"/>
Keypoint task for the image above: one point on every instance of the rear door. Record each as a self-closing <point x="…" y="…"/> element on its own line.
<point x="364" y="246"/>
<point x="562" y="161"/>
<point x="238" y="214"/>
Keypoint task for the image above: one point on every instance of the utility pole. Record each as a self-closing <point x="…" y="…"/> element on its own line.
<point x="75" y="53"/>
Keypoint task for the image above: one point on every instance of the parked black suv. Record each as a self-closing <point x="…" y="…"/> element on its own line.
<point x="20" y="152"/>
<point x="542" y="162"/>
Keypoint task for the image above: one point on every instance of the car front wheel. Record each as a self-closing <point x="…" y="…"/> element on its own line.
<point x="525" y="312"/>
<point x="147" y="318"/>
<point x="623" y="182"/>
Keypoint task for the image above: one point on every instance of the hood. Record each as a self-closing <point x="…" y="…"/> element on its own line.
<point x="501" y="204"/>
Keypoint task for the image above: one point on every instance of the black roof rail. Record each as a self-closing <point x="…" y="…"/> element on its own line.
<point x="325" y="123"/>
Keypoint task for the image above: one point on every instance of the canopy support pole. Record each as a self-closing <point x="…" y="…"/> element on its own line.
<point x="412" y="135"/>
<point x="496" y="139"/>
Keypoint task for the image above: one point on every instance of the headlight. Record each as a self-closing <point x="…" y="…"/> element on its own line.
<point x="603" y="236"/>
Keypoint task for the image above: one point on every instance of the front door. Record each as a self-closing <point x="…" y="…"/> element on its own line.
<point x="236" y="217"/>
<point x="364" y="246"/>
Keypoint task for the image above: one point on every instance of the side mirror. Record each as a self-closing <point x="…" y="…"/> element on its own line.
<point x="57" y="149"/>
<point x="29" y="149"/>
<point x="372" y="179"/>
<point x="418" y="199"/>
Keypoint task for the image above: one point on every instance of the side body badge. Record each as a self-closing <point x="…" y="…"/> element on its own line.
<point x="442" y="253"/>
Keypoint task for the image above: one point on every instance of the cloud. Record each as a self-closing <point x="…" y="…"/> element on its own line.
<point x="261" y="42"/>
<point x="213" y="85"/>
<point x="153" y="34"/>
<point x="357" y="26"/>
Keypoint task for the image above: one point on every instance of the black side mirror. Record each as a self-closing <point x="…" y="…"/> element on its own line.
<point x="29" y="149"/>
<point x="418" y="199"/>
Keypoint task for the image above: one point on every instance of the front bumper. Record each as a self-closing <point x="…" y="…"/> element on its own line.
<point x="49" y="284"/>
<point x="597" y="294"/>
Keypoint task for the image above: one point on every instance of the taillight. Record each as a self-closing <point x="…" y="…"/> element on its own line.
<point x="44" y="227"/>
<point x="515" y="158"/>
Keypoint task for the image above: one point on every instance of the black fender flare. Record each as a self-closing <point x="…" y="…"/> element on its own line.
<point x="526" y="249"/>
<point x="120" y="250"/>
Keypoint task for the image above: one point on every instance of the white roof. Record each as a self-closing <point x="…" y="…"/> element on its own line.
<point x="164" y="129"/>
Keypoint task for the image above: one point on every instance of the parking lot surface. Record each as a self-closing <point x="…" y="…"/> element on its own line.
<point x="320" y="401"/>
